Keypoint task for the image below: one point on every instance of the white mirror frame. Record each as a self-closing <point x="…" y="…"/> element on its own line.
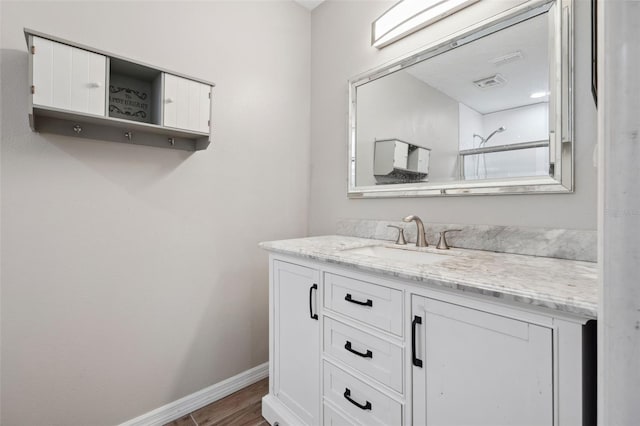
<point x="561" y="147"/>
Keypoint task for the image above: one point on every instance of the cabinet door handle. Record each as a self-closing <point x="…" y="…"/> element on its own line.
<point x="347" y="346"/>
<point x="311" y="314"/>
<point x="348" y="298"/>
<point x="347" y="395"/>
<point x="416" y="320"/>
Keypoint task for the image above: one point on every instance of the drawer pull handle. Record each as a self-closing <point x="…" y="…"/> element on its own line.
<point x="347" y="395"/>
<point x="311" y="314"/>
<point x="347" y="346"/>
<point x="416" y="320"/>
<point x="348" y="298"/>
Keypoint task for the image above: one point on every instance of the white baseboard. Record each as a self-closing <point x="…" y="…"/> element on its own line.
<point x="176" y="409"/>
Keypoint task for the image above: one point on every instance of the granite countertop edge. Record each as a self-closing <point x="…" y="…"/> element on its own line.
<point x="561" y="285"/>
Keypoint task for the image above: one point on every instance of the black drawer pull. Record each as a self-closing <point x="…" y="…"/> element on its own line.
<point x="347" y="395"/>
<point x="347" y="346"/>
<point x="416" y="320"/>
<point x="311" y="314"/>
<point x="348" y="298"/>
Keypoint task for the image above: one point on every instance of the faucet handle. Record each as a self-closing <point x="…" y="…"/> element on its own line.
<point x="442" y="243"/>
<point x="400" y="240"/>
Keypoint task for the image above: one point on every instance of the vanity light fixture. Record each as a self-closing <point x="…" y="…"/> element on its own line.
<point x="537" y="95"/>
<point x="408" y="16"/>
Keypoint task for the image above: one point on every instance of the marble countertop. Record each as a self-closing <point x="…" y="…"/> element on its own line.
<point x="562" y="285"/>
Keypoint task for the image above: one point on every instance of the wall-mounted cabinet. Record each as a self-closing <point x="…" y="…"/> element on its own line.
<point x="399" y="161"/>
<point x="82" y="92"/>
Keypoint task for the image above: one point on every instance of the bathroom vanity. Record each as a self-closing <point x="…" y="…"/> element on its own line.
<point x="364" y="332"/>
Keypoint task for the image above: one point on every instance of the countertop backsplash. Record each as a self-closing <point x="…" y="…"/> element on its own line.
<point x="570" y="244"/>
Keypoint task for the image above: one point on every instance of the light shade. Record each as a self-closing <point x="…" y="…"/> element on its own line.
<point x="537" y="95"/>
<point x="408" y="16"/>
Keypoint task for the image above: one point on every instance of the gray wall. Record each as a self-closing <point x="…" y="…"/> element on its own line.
<point x="131" y="275"/>
<point x="340" y="49"/>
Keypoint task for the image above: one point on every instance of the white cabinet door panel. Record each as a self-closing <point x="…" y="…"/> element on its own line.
<point x="187" y="104"/>
<point x="333" y="417"/>
<point x="68" y="78"/>
<point x="479" y="368"/>
<point x="297" y="340"/>
<point x="401" y="154"/>
<point x="204" y="107"/>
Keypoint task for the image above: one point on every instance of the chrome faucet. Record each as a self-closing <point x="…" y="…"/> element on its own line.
<point x="421" y="239"/>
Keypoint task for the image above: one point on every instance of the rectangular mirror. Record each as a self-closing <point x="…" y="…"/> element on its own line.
<point x="488" y="111"/>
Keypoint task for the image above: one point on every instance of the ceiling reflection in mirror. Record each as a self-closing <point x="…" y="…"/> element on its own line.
<point x="479" y="112"/>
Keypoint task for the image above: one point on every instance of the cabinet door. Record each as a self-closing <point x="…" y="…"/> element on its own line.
<point x="419" y="160"/>
<point x="471" y="367"/>
<point x="296" y="340"/>
<point x="400" y="155"/>
<point x="187" y="104"/>
<point x="68" y="78"/>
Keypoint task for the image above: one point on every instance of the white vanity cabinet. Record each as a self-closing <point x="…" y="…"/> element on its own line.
<point x="294" y="368"/>
<point x="83" y="92"/>
<point x="68" y="78"/>
<point x="385" y="351"/>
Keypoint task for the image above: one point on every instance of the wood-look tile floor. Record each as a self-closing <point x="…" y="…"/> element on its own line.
<point x="242" y="408"/>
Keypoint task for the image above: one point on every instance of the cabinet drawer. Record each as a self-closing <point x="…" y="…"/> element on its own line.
<point x="366" y="405"/>
<point x="333" y="417"/>
<point x="373" y="304"/>
<point x="368" y="354"/>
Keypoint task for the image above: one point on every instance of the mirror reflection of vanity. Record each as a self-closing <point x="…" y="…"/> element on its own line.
<point x="489" y="110"/>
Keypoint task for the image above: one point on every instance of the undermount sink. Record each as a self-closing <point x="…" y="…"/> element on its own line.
<point x="392" y="253"/>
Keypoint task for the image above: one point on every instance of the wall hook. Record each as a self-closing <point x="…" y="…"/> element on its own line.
<point x="128" y="135"/>
<point x="172" y="141"/>
<point x="77" y="128"/>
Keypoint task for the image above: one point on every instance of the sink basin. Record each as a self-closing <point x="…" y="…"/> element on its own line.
<point x="391" y="253"/>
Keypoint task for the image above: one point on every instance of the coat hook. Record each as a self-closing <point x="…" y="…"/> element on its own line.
<point x="128" y="135"/>
<point x="172" y="141"/>
<point x="77" y="128"/>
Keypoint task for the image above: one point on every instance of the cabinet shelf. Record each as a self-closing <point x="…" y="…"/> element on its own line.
<point x="63" y="122"/>
<point x="83" y="92"/>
